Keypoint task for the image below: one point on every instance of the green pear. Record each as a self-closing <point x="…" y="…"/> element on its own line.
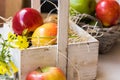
<point x="83" y="6"/>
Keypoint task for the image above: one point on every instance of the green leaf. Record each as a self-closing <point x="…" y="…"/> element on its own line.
<point x="0" y="35"/>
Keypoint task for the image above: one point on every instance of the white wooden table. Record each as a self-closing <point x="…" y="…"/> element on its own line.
<point x="109" y="64"/>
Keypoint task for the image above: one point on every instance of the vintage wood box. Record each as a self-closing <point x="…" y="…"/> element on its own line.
<point x="77" y="60"/>
<point x="81" y="61"/>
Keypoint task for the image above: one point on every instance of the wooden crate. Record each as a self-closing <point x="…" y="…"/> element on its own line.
<point x="77" y="60"/>
<point x="82" y="56"/>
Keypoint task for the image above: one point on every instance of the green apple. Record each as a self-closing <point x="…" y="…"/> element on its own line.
<point x="46" y="73"/>
<point x="83" y="6"/>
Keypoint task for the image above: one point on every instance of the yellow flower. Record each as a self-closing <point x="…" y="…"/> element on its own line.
<point x="17" y="41"/>
<point x="11" y="37"/>
<point x="7" y="68"/>
<point x="21" y="42"/>
<point x="3" y="68"/>
<point x="13" y="66"/>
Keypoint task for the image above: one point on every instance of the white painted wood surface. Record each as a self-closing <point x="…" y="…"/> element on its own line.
<point x="83" y="56"/>
<point x="35" y="4"/>
<point x="37" y="57"/>
<point x="62" y="37"/>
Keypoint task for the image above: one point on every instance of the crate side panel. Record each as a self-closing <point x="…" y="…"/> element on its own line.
<point x="81" y="32"/>
<point x="84" y="58"/>
<point x="33" y="58"/>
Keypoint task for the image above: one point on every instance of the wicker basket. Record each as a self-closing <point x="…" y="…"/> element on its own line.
<point x="107" y="41"/>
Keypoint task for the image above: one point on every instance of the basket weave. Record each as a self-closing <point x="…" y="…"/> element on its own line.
<point x="107" y="41"/>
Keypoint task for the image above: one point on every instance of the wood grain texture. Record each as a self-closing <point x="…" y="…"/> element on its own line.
<point x="62" y="37"/>
<point x="33" y="58"/>
<point x="83" y="57"/>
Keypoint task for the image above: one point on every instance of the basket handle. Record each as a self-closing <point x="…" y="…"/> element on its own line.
<point x="62" y="35"/>
<point x="63" y="23"/>
<point x="35" y="4"/>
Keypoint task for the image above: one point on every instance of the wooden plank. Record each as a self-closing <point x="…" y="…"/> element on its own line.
<point x="83" y="61"/>
<point x="37" y="57"/>
<point x="36" y="4"/>
<point x="83" y="57"/>
<point x="62" y="38"/>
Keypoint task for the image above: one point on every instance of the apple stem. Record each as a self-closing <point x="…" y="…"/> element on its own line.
<point x="39" y="69"/>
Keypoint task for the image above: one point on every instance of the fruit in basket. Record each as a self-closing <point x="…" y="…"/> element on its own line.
<point x="107" y="11"/>
<point x="83" y="6"/>
<point x="27" y="19"/>
<point x="45" y="34"/>
<point x="46" y="73"/>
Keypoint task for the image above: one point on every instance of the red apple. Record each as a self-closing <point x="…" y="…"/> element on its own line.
<point x="119" y="13"/>
<point x="107" y="11"/>
<point x="27" y="18"/>
<point x="47" y="73"/>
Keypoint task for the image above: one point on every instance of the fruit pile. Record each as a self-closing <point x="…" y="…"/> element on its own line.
<point x="100" y="18"/>
<point x="28" y="23"/>
<point x="106" y="11"/>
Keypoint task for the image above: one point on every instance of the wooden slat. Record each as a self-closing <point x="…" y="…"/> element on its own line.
<point x="35" y="4"/>
<point x="83" y="57"/>
<point x="63" y="23"/>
